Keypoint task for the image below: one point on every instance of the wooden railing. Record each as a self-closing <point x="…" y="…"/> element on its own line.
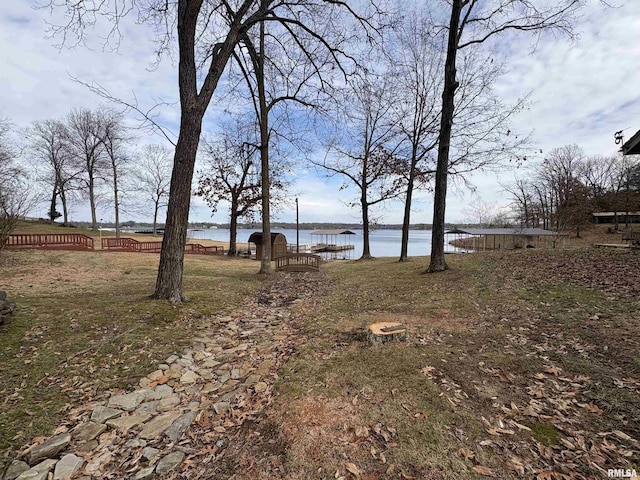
<point x="71" y="241"/>
<point x="298" y="262"/>
<point x="133" y="245"/>
<point x="632" y="237"/>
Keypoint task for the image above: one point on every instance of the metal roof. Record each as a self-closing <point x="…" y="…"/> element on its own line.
<point x="612" y="214"/>
<point x="632" y="146"/>
<point x="256" y="237"/>
<point x="526" y="232"/>
<point x="332" y="232"/>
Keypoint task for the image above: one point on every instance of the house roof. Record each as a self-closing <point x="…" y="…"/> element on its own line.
<point x="632" y="146"/>
<point x="526" y="232"/>
<point x="256" y="237"/>
<point x="332" y="232"/>
<point x="613" y="214"/>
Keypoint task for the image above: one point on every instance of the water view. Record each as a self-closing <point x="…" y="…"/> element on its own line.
<point x="384" y="243"/>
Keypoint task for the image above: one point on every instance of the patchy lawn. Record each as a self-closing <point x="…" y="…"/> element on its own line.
<point x="84" y="325"/>
<point x="518" y="364"/>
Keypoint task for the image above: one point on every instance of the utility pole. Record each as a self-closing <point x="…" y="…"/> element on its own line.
<point x="297" y="229"/>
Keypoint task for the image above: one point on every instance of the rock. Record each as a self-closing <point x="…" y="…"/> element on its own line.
<point x="235" y="373"/>
<point x="260" y="387"/>
<point x="181" y="424"/>
<point x="128" y="422"/>
<point x="87" y="447"/>
<point x="145" y="474"/>
<point x="171" y="359"/>
<point x="49" y="448"/>
<point x="94" y="466"/>
<point x="16" y="467"/>
<point x="88" y="431"/>
<point x="102" y="414"/>
<point x="252" y="379"/>
<point x="148" y="394"/>
<point x="38" y="472"/>
<point x="229" y="385"/>
<point x="184" y="362"/>
<point x="127" y="402"/>
<point x="158" y="425"/>
<point x="153" y="376"/>
<point x="151" y="454"/>
<point x="148" y="407"/>
<point x="135" y="443"/>
<point x="168" y="403"/>
<point x="67" y="466"/>
<point x="221" y="407"/>
<point x="3" y="295"/>
<point x="189" y="377"/>
<point x="200" y="356"/>
<point x="163" y="391"/>
<point x="169" y="462"/>
<point x="210" y="388"/>
<point x="265" y="366"/>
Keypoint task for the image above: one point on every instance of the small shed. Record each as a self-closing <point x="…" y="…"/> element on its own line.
<point x="278" y="244"/>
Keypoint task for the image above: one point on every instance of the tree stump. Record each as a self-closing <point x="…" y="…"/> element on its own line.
<point x="386" y="332"/>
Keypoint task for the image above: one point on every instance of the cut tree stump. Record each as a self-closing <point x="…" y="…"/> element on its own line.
<point x="386" y="332"/>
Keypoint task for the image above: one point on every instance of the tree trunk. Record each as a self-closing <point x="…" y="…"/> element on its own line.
<point x="404" y="245"/>
<point x="169" y="281"/>
<point x="155" y="216"/>
<point x="265" y="262"/>
<point x="366" y="252"/>
<point x="233" y="230"/>
<point x="438" y="262"/>
<point x="92" y="203"/>
<point x="52" y="208"/>
<point x="115" y="198"/>
<point x="65" y="209"/>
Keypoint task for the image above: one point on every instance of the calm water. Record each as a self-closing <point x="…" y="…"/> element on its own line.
<point x="384" y="243"/>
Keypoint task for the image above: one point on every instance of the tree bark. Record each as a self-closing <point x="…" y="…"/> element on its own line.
<point x="92" y="202"/>
<point x="155" y="216"/>
<point x="52" y="208"/>
<point x="438" y="263"/>
<point x="170" y="270"/>
<point x="233" y="230"/>
<point x="406" y="221"/>
<point x="366" y="251"/>
<point x="115" y="197"/>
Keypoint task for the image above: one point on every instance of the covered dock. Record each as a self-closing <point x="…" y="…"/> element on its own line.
<point x="331" y="240"/>
<point x="483" y="239"/>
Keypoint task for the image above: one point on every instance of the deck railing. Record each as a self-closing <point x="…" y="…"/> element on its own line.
<point x="298" y="262"/>
<point x="133" y="245"/>
<point x="119" y="244"/>
<point x="50" y="240"/>
<point x="196" y="248"/>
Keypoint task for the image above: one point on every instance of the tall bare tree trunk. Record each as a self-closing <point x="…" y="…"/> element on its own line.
<point x="233" y="230"/>
<point x="170" y="270"/>
<point x="406" y="221"/>
<point x="155" y="216"/>
<point x="366" y="248"/>
<point x="115" y="196"/>
<point x="52" y="207"/>
<point x="438" y="263"/>
<point x="92" y="202"/>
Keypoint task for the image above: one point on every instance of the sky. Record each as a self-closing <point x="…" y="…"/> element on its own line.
<point x="580" y="91"/>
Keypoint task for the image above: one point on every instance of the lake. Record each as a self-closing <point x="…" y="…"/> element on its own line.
<point x="384" y="243"/>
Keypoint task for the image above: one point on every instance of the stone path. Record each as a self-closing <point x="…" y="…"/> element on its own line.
<point x="183" y="415"/>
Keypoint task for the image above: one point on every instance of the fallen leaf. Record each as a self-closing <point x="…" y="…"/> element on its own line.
<point x="552" y="370"/>
<point x="467" y="453"/>
<point x="351" y="467"/>
<point x="484" y="471"/>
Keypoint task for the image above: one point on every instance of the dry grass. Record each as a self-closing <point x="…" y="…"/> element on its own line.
<point x="85" y="324"/>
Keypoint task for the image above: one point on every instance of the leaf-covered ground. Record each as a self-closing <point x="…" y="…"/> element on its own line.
<point x="519" y="365"/>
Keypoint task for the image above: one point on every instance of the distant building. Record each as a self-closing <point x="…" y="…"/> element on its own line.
<point x="610" y="217"/>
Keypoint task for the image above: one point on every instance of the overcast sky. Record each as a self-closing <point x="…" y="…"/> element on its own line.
<point x="581" y="92"/>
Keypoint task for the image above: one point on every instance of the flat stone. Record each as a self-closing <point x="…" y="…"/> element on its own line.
<point x="128" y="422"/>
<point x="67" y="466"/>
<point x="189" y="377"/>
<point x="15" y="469"/>
<point x="200" y="356"/>
<point x="265" y="366"/>
<point x="260" y="387"/>
<point x="38" y="472"/>
<point x="252" y="379"/>
<point x="94" y="466"/>
<point x="153" y="376"/>
<point x="184" y="362"/>
<point x="151" y="454"/>
<point x="145" y="474"/>
<point x="181" y="424"/>
<point x="164" y="391"/>
<point x="86" y="447"/>
<point x="210" y="388"/>
<point x="168" y="403"/>
<point x="175" y="371"/>
<point x="221" y="407"/>
<point x="206" y="373"/>
<point x="223" y="377"/>
<point x="235" y="373"/>
<point x="135" y="443"/>
<point x="148" y="407"/>
<point x="229" y="385"/>
<point x="127" y="402"/>
<point x="163" y="366"/>
<point x="168" y="463"/>
<point x="158" y="425"/>
<point x="88" y="431"/>
<point x="171" y="359"/>
<point x="148" y="394"/>
<point x="50" y="448"/>
<point x="102" y="414"/>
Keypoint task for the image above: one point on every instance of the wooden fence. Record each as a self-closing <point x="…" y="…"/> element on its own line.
<point x="132" y="245"/>
<point x="66" y="241"/>
<point x="298" y="262"/>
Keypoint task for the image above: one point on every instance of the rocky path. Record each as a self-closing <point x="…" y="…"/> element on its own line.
<point x="182" y="420"/>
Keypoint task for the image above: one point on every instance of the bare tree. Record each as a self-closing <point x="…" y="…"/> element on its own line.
<point x="114" y="139"/>
<point x="363" y="151"/>
<point x="230" y="175"/>
<point x="207" y="34"/>
<point x="15" y="200"/>
<point x="49" y="147"/>
<point x="86" y="129"/>
<point x="472" y="23"/>
<point x="152" y="177"/>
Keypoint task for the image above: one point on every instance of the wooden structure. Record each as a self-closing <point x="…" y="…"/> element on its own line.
<point x="298" y="262"/>
<point x="615" y="217"/>
<point x="331" y="240"/>
<point x="51" y="241"/>
<point x="278" y="244"/>
<point x="482" y="239"/>
<point x="632" y="238"/>
<point x="125" y="244"/>
<point x="386" y="331"/>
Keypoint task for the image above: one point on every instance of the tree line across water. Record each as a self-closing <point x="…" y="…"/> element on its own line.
<point x="388" y="99"/>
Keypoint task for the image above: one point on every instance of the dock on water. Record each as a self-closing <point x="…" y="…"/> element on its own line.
<point x="331" y="241"/>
